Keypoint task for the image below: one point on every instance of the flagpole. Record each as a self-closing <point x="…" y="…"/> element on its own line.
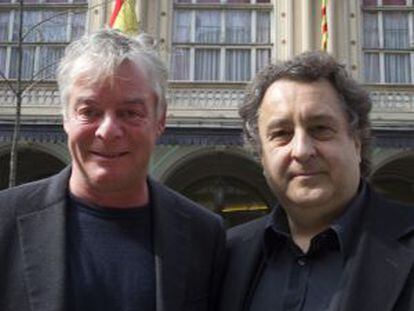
<point x="324" y="26"/>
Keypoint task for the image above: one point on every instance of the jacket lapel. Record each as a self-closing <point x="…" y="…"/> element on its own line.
<point x="243" y="265"/>
<point x="41" y="230"/>
<point x="374" y="278"/>
<point x="42" y="239"/>
<point x="171" y="247"/>
<point x="377" y="270"/>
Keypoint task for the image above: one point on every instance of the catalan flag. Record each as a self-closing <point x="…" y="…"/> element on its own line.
<point x="324" y="26"/>
<point x="123" y="17"/>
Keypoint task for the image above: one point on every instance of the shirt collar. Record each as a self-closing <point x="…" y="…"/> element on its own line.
<point x="277" y="228"/>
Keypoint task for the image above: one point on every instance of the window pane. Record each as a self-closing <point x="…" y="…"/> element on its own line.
<point x="4" y="26"/>
<point x="396" y="30"/>
<point x="397" y="68"/>
<point x="370" y="2"/>
<point x="238" y="65"/>
<point x="182" y="1"/>
<point x="27" y="63"/>
<point x="262" y="1"/>
<point x="208" y="26"/>
<point x="394" y="2"/>
<point x="180" y="64"/>
<point x="371" y="36"/>
<point x="78" y="25"/>
<point x="182" y="26"/>
<point x="371" y="68"/>
<point x="263" y="27"/>
<point x="30" y="29"/>
<point x="3" y="52"/>
<point x="5" y="1"/>
<point x="54" y="29"/>
<point x="262" y="58"/>
<point x="238" y="27"/>
<point x="49" y="58"/>
<point x="238" y="1"/>
<point x="208" y="1"/>
<point x="56" y="1"/>
<point x="207" y="65"/>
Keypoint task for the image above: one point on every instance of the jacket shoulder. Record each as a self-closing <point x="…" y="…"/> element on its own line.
<point x="390" y="218"/>
<point x="251" y="229"/>
<point x="36" y="194"/>
<point x="162" y="194"/>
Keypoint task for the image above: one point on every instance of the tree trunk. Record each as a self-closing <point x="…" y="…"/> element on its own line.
<point x="16" y="132"/>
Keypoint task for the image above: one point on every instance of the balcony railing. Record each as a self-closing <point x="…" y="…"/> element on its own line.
<point x="205" y="107"/>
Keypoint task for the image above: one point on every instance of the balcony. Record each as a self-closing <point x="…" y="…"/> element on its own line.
<point x="210" y="107"/>
<point x="392" y="107"/>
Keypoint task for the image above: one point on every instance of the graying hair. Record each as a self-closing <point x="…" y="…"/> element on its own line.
<point x="309" y="67"/>
<point x="99" y="55"/>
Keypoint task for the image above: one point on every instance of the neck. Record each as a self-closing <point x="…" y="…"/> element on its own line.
<point x="117" y="198"/>
<point x="302" y="233"/>
<point x="304" y="226"/>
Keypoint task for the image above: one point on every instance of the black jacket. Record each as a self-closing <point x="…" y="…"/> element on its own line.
<point x="188" y="246"/>
<point x="379" y="274"/>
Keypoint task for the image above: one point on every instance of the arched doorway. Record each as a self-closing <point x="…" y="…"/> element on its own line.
<point x="32" y="165"/>
<point x="228" y="184"/>
<point x="395" y="178"/>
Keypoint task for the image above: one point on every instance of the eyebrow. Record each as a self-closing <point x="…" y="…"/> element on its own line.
<point x="278" y="122"/>
<point x="84" y="100"/>
<point x="134" y="100"/>
<point x="281" y="122"/>
<point x="322" y="117"/>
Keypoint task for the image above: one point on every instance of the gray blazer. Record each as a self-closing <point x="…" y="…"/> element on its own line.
<point x="379" y="274"/>
<point x="188" y="245"/>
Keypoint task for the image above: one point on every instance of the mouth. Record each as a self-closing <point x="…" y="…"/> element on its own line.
<point x="109" y="155"/>
<point x="304" y="174"/>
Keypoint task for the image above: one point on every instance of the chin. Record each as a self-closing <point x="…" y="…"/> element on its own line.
<point x="310" y="197"/>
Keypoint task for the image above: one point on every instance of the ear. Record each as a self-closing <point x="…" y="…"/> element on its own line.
<point x="65" y="124"/>
<point x="161" y="123"/>
<point x="358" y="148"/>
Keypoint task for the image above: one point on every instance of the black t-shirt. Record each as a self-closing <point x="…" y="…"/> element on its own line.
<point x="110" y="258"/>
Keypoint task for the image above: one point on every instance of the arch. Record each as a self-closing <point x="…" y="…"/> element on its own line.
<point x="224" y="180"/>
<point x="35" y="161"/>
<point x="395" y="177"/>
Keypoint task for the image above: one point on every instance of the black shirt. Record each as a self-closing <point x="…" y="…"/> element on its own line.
<point x="290" y="279"/>
<point x="110" y="258"/>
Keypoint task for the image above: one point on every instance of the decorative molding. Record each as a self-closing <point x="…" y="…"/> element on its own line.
<point x="391" y="101"/>
<point x="207" y="107"/>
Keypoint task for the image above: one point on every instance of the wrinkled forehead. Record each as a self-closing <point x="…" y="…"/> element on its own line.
<point x="90" y="72"/>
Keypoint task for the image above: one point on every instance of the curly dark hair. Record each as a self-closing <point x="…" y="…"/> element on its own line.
<point x="309" y="67"/>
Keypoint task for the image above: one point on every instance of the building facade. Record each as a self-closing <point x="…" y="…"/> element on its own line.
<point x="213" y="48"/>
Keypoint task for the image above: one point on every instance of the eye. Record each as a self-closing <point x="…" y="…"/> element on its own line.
<point x="131" y="114"/>
<point x="322" y="131"/>
<point x="86" y="113"/>
<point x="280" y="136"/>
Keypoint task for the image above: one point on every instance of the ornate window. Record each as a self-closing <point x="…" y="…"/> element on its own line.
<point x="388" y="41"/>
<point x="48" y="26"/>
<point x="220" y="40"/>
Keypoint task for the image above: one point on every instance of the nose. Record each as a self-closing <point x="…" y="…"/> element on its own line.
<point x="109" y="128"/>
<point x="303" y="146"/>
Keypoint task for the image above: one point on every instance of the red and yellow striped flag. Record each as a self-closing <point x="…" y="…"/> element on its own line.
<point x="123" y="17"/>
<point x="324" y="27"/>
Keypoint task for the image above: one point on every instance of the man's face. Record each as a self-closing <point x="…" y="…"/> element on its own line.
<point x="112" y="129"/>
<point x="310" y="160"/>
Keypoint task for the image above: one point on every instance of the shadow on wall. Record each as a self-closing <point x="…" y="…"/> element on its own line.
<point x="32" y="165"/>
<point x="396" y="179"/>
